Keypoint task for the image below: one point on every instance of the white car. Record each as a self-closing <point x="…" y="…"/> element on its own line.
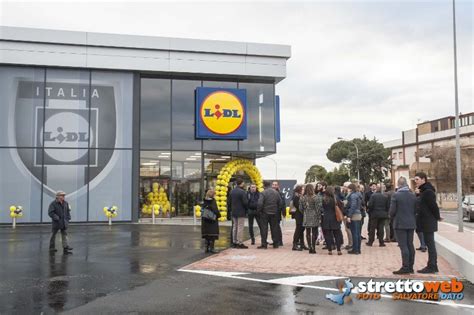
<point x="468" y="207"/>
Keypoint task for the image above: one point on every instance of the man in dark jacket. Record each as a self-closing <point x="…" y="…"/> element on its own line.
<point x="252" y="197"/>
<point x="389" y="232"/>
<point x="378" y="210"/>
<point x="402" y="213"/>
<point x="428" y="217"/>
<point x="269" y="204"/>
<point x="60" y="212"/>
<point x="281" y="211"/>
<point x="238" y="205"/>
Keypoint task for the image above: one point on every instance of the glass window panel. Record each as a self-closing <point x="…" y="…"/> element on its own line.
<point x="186" y="177"/>
<point x="220" y="145"/>
<point x="183" y="115"/>
<point x="20" y="185"/>
<point x="155" y="174"/>
<point x="261" y="117"/>
<point x="112" y="103"/>
<point x="22" y="102"/>
<point x="66" y="110"/>
<point x="112" y="186"/>
<point x="213" y="163"/>
<point x="155" y="114"/>
<point x="62" y="171"/>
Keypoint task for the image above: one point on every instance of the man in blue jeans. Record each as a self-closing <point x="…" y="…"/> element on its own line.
<point x="353" y="217"/>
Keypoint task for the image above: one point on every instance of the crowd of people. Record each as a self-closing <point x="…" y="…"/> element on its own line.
<point x="322" y="212"/>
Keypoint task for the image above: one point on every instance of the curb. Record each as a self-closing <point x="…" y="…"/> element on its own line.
<point x="459" y="257"/>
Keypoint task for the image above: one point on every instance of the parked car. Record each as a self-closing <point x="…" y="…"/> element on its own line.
<point x="468" y="207"/>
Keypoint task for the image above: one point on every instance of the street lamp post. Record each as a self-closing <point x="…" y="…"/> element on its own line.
<point x="276" y="166"/>
<point x="357" y="155"/>
<point x="457" y="123"/>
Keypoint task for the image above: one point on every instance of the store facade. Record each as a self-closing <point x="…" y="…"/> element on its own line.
<point x="108" y="118"/>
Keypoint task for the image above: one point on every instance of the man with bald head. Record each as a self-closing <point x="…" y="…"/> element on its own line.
<point x="403" y="214"/>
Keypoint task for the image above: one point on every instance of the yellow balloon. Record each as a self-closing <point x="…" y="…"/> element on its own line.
<point x="12" y="208"/>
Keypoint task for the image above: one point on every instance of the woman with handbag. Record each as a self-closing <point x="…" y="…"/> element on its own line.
<point x="331" y="224"/>
<point x="297" y="214"/>
<point x="311" y="206"/>
<point x="209" y="223"/>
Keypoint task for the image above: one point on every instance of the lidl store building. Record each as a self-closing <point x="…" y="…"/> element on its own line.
<point x="130" y="121"/>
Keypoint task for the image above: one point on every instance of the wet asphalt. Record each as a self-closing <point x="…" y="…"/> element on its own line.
<point x="131" y="268"/>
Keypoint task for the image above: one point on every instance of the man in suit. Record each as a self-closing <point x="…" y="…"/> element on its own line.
<point x="402" y="213"/>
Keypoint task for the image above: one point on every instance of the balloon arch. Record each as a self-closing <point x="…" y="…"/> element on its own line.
<point x="226" y="174"/>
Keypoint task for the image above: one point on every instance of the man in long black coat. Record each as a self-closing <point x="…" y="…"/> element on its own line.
<point x="60" y="213"/>
<point x="427" y="218"/>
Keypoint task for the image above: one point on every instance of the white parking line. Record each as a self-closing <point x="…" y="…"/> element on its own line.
<point x="286" y="281"/>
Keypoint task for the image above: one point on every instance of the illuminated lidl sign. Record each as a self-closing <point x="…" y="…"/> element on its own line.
<point x="221" y="113"/>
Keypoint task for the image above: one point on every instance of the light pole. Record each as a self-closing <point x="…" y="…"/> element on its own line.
<point x="457" y="123"/>
<point x="357" y="155"/>
<point x="276" y="166"/>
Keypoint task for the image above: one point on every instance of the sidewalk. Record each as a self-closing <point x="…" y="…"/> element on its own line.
<point x="377" y="262"/>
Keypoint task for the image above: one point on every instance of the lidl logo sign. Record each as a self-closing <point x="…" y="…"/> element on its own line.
<point x="221" y="113"/>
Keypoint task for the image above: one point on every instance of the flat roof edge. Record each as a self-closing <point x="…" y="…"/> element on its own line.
<point x="65" y="37"/>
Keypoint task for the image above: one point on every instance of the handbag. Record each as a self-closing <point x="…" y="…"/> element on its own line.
<point x="208" y="214"/>
<point x="292" y="207"/>
<point x="339" y="214"/>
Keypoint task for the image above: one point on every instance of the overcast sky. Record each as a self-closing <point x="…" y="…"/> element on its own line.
<point x="358" y="68"/>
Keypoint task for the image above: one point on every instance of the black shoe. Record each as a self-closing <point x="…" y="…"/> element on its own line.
<point x="411" y="270"/>
<point x="427" y="270"/>
<point x="363" y="238"/>
<point x="312" y="251"/>
<point x="280" y="244"/>
<point x="253" y="241"/>
<point x="275" y="246"/>
<point x="270" y="243"/>
<point x="53" y="250"/>
<point x="305" y="248"/>
<point x="325" y="247"/>
<point x="262" y="247"/>
<point x="233" y="245"/>
<point x="207" y="249"/>
<point x="212" y="250"/>
<point x="386" y="241"/>
<point x="352" y="252"/>
<point x="382" y="245"/>
<point x="67" y="252"/>
<point x="295" y="248"/>
<point x="368" y="244"/>
<point x="242" y="246"/>
<point x="423" y="250"/>
<point x="402" y="271"/>
<point x="68" y="248"/>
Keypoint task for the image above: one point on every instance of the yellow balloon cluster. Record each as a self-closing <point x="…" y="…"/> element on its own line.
<point x="157" y="199"/>
<point x="224" y="177"/>
<point x="197" y="210"/>
<point x="110" y="212"/>
<point x="16" y="211"/>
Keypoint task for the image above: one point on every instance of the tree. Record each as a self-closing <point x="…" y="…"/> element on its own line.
<point x="374" y="161"/>
<point x="338" y="176"/>
<point x="315" y="173"/>
<point x="443" y="168"/>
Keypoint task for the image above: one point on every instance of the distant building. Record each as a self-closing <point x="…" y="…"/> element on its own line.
<point x="422" y="149"/>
